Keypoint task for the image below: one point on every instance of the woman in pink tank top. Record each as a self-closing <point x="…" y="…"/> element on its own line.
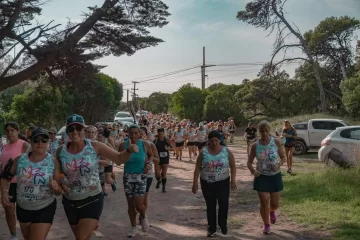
<point x="13" y="148"/>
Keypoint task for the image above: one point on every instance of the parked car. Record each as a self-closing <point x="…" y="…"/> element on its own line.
<point x="311" y="133"/>
<point x="122" y="116"/>
<point x="127" y="122"/>
<point x="61" y="132"/>
<point x="341" y="146"/>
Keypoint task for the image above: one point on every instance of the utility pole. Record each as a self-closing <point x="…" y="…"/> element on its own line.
<point x="127" y="98"/>
<point x="203" y="70"/>
<point x="134" y="99"/>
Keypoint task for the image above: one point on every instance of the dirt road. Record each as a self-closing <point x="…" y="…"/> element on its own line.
<point x="179" y="214"/>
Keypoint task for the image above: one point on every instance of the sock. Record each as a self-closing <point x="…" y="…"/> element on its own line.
<point x="163" y="181"/>
<point x="158" y="179"/>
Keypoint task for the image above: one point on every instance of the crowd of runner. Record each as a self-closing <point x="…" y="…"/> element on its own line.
<point x="38" y="167"/>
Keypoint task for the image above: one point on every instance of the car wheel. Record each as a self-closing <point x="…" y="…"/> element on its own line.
<point x="300" y="148"/>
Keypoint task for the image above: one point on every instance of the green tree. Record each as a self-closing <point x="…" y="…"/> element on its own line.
<point x="188" y="102"/>
<point x="351" y="94"/>
<point x="222" y="104"/>
<point x="157" y="102"/>
<point x="116" y="28"/>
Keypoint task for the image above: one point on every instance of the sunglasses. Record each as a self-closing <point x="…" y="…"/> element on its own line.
<point x="50" y="133"/>
<point x="40" y="139"/>
<point x="71" y="129"/>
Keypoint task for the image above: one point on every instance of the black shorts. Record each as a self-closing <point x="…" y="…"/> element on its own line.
<point x="148" y="183"/>
<point x="90" y="207"/>
<point x="12" y="192"/>
<point x="45" y="215"/>
<point x="191" y="143"/>
<point x="179" y="144"/>
<point x="201" y="144"/>
<point x="108" y="169"/>
<point x="164" y="161"/>
<point x="232" y="131"/>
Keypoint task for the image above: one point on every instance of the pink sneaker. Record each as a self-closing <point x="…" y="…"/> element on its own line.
<point x="272" y="217"/>
<point x="266" y="229"/>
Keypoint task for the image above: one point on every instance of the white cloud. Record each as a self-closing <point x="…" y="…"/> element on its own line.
<point x="343" y="5"/>
<point x="209" y="27"/>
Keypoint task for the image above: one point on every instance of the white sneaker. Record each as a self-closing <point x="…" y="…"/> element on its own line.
<point x="145" y="224"/>
<point x="132" y="232"/>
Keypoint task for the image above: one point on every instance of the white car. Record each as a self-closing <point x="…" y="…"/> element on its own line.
<point x="342" y="147"/>
<point x="61" y="132"/>
<point x="123" y="116"/>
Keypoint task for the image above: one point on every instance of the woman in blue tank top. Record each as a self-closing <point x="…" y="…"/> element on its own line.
<point x="135" y="178"/>
<point x="268" y="181"/>
<point x="38" y="176"/>
<point x="79" y="160"/>
<point x="216" y="166"/>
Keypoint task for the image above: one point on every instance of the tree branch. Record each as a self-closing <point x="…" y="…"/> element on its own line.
<point x="334" y="94"/>
<point x="289" y="60"/>
<point x="11" y="23"/>
<point x="280" y="48"/>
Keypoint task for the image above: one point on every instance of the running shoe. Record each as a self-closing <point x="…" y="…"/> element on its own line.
<point x="106" y="195"/>
<point x="145" y="224"/>
<point x="211" y="234"/>
<point x="132" y="233"/>
<point x="273" y="217"/>
<point x="113" y="186"/>
<point x="224" y="230"/>
<point x="266" y="229"/>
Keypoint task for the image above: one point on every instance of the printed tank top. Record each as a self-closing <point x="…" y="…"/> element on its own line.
<point x="179" y="136"/>
<point x="201" y="135"/>
<point x="191" y="136"/>
<point x="33" y="186"/>
<point x="81" y="171"/>
<point x="215" y="168"/>
<point x="267" y="157"/>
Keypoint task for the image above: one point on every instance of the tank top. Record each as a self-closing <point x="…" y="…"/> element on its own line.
<point x="82" y="171"/>
<point x="136" y="163"/>
<point x="160" y="146"/>
<point x="215" y="168"/>
<point x="179" y="136"/>
<point x="191" y="136"/>
<point x="289" y="141"/>
<point x="53" y="146"/>
<point x="267" y="157"/>
<point x="33" y="188"/>
<point x="11" y="150"/>
<point x="201" y="135"/>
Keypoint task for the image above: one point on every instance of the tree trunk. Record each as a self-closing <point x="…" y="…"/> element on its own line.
<point x="320" y="86"/>
<point x="343" y="68"/>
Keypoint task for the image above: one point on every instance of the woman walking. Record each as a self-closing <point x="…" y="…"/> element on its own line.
<point x="290" y="135"/>
<point x="79" y="159"/>
<point x="268" y="181"/>
<point x="11" y="150"/>
<point x="135" y="178"/>
<point x="216" y="167"/>
<point x="38" y="175"/>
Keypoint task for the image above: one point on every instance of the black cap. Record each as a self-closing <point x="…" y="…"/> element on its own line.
<point x="39" y="131"/>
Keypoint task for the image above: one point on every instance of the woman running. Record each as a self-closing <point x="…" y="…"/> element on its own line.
<point x="179" y="142"/>
<point x="191" y="136"/>
<point x="163" y="147"/>
<point x="232" y="128"/>
<point x="268" y="181"/>
<point x="38" y="175"/>
<point x="201" y="135"/>
<point x="79" y="159"/>
<point x="290" y="135"/>
<point x="135" y="178"/>
<point x="54" y="143"/>
<point x="216" y="166"/>
<point x="11" y="150"/>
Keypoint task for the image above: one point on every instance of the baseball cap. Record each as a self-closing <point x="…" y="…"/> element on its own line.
<point x="201" y="124"/>
<point x="39" y="131"/>
<point x="75" y="119"/>
<point x="52" y="130"/>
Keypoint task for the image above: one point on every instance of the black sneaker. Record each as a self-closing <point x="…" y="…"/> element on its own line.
<point x="224" y="230"/>
<point x="211" y="234"/>
<point x="113" y="186"/>
<point x="158" y="184"/>
<point x="163" y="189"/>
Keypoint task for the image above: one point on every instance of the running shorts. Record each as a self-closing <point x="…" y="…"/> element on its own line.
<point x="90" y="207"/>
<point x="12" y="192"/>
<point x="164" y="161"/>
<point x="45" y="215"/>
<point x="148" y="183"/>
<point x="201" y="144"/>
<point x="179" y="144"/>
<point x="108" y="168"/>
<point x="191" y="143"/>
<point x="134" y="184"/>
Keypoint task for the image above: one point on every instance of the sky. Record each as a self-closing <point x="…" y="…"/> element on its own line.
<point x="195" y="24"/>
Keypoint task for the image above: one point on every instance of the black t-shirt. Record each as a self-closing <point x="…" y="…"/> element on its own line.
<point x="160" y="146"/>
<point x="251" y="133"/>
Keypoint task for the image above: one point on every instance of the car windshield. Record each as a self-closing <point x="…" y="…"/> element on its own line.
<point x="122" y="115"/>
<point x="346" y="123"/>
<point x="61" y="130"/>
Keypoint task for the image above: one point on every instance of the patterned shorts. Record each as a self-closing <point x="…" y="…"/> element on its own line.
<point x="134" y="184"/>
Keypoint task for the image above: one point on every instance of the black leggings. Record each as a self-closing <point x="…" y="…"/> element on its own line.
<point x="216" y="193"/>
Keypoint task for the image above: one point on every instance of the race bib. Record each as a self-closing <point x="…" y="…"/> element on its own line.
<point x="30" y="189"/>
<point x="134" y="178"/>
<point x="163" y="154"/>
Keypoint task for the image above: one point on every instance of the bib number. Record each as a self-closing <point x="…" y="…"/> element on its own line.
<point x="163" y="154"/>
<point x="134" y="178"/>
<point x="31" y="189"/>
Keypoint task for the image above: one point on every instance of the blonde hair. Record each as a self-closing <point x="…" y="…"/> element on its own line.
<point x="264" y="124"/>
